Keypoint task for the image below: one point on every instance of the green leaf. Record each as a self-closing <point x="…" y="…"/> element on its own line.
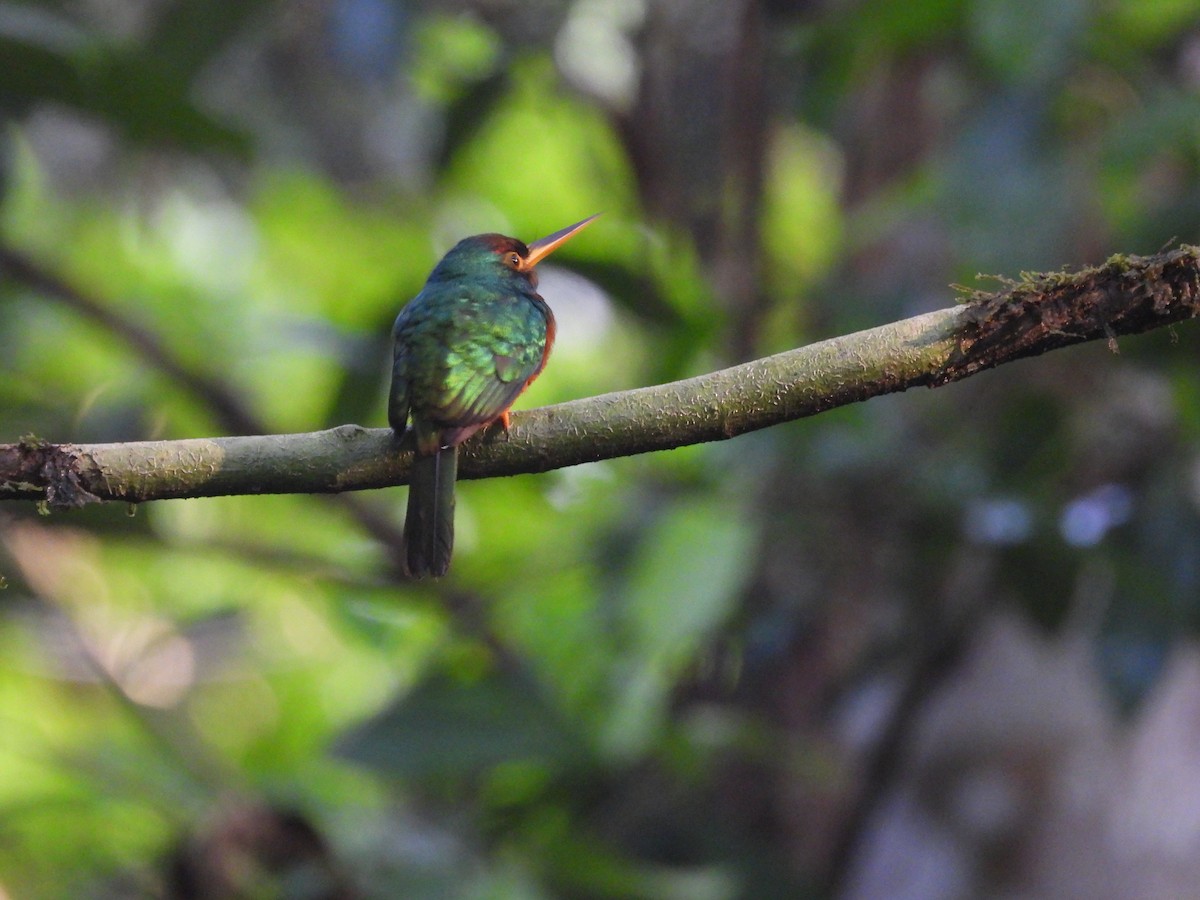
<point x="447" y="728"/>
<point x="681" y="590"/>
<point x="544" y="158"/>
<point x="188" y="33"/>
<point x="139" y="96"/>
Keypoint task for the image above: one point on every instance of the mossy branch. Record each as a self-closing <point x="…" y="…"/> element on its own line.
<point x="1126" y="295"/>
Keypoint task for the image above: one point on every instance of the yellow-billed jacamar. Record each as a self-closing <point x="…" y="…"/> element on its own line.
<point x="466" y="346"/>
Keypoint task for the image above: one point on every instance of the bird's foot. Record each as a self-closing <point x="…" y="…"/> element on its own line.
<point x="498" y="427"/>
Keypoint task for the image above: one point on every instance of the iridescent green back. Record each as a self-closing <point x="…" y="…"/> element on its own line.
<point x="467" y="344"/>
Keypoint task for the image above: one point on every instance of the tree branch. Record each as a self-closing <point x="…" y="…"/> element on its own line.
<point x="1126" y="295"/>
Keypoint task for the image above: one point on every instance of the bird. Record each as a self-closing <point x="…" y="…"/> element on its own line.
<point x="465" y="347"/>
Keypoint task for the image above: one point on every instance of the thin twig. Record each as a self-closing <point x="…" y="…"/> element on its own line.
<point x="229" y="409"/>
<point x="936" y="658"/>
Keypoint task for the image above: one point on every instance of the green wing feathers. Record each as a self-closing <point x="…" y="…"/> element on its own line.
<point x="469" y="361"/>
<point x="398" y="399"/>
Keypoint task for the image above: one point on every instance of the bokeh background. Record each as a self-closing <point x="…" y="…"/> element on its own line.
<point x="941" y="644"/>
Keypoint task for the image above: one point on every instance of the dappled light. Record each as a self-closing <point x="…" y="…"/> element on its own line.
<point x="939" y="644"/>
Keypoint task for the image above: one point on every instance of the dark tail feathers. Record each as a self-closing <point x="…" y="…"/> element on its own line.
<point x="429" y="525"/>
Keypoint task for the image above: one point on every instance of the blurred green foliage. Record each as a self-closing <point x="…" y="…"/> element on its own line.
<point x="630" y="684"/>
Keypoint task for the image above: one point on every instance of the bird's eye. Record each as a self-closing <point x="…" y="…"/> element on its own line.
<point x="514" y="260"/>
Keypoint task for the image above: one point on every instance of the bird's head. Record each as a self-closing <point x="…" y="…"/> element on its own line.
<point x="496" y="254"/>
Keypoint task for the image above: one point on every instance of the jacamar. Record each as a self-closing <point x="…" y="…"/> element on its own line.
<point x="466" y="346"/>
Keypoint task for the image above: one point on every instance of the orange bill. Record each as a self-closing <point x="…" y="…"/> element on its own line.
<point x="543" y="247"/>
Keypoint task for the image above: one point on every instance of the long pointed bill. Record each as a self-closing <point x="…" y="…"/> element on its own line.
<point x="543" y="247"/>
